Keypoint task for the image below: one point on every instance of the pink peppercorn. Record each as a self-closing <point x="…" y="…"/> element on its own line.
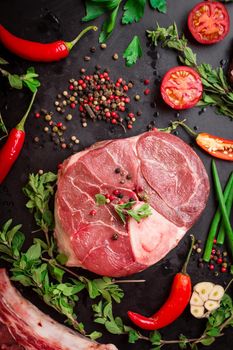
<point x="116" y="192"/>
<point x="117" y="84"/>
<point x="113" y="114"/>
<point x="72" y="105"/>
<point x="211" y="267"/>
<point x="219" y="261"/>
<point x="81" y="109"/>
<point x="84" y="85"/>
<point x="147" y="92"/>
<point x="127" y="100"/>
<point x="107" y="196"/>
<point x="120" y="80"/>
<point x="80" y="82"/>
<point x="71" y="87"/>
<point x="215" y="241"/>
<point x="37" y="115"/>
<point x="223" y="269"/>
<point x="59" y="125"/>
<point x="146" y="82"/>
<point x="129" y="126"/>
<point x="108" y="114"/>
<point x="114" y="121"/>
<point x="131" y="115"/>
<point x="125" y="88"/>
<point x="111" y="197"/>
<point x="93" y="212"/>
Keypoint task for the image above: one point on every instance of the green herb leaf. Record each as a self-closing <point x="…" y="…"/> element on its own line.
<point x="133" y="11"/>
<point x="155" y="338"/>
<point x="95" y="335"/>
<point x="33" y="253"/>
<point x="100" y="199"/>
<point x="2" y="61"/>
<point x="15" y="81"/>
<point x="30" y="79"/>
<point x="207" y="341"/>
<point x="133" y="52"/>
<point x="109" y="25"/>
<point x="133" y="336"/>
<point x="160" y="5"/>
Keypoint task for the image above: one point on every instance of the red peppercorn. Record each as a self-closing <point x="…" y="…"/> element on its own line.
<point x="80" y="82"/>
<point x="91" y="98"/>
<point x="117" y="84"/>
<point x="37" y="115"/>
<point x="85" y="101"/>
<point x="72" y="105"/>
<point x="105" y="74"/>
<point x="59" y="166"/>
<point x="81" y="109"/>
<point x="111" y="197"/>
<point x="97" y="108"/>
<point x="129" y="126"/>
<point x="111" y="97"/>
<point x="211" y="267"/>
<point x="93" y="212"/>
<point x="223" y="269"/>
<point x="213" y="251"/>
<point x="127" y="100"/>
<point x="219" y="261"/>
<point x="120" y="80"/>
<point x="108" y="114"/>
<point x="122" y="108"/>
<point x="84" y="85"/>
<point x="147" y="92"/>
<point x="113" y="114"/>
<point x="146" y="82"/>
<point x="114" y="121"/>
<point x="51" y="122"/>
<point x="125" y="88"/>
<point x="131" y="115"/>
<point x="121" y="202"/>
<point x="71" y="87"/>
<point x="107" y="196"/>
<point x="215" y="241"/>
<point x="116" y="192"/>
<point x="87" y="78"/>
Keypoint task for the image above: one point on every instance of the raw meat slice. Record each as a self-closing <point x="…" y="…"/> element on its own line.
<point x="34" y="330"/>
<point x="161" y="169"/>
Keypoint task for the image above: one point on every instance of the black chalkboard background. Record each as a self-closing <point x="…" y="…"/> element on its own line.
<point x="27" y="19"/>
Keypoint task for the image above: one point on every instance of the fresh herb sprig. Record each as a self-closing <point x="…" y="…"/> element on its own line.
<point x="217" y="90"/>
<point x="133" y="11"/>
<point x="124" y="210"/>
<point x="39" y="190"/>
<point x="217" y="322"/>
<point x="29" y="79"/>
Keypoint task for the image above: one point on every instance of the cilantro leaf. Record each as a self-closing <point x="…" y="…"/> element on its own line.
<point x="133" y="11"/>
<point x="133" y="52"/>
<point x="95" y="9"/>
<point x="160" y="5"/>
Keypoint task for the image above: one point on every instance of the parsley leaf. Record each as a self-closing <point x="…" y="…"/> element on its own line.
<point x="160" y="5"/>
<point x="133" y="11"/>
<point x="100" y="199"/>
<point x="133" y="52"/>
<point x="139" y="213"/>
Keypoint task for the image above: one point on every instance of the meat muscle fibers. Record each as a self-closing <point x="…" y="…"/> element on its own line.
<point x="155" y="167"/>
<point x="34" y="330"/>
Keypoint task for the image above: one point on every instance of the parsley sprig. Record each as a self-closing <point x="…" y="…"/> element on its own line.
<point x="29" y="79"/>
<point x="133" y="51"/>
<point x="217" y="90"/>
<point x="124" y="210"/>
<point x="133" y="11"/>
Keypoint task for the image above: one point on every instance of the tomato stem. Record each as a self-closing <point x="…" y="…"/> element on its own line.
<point x="184" y="269"/>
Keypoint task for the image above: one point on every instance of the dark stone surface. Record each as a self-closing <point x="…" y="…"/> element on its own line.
<point x="28" y="19"/>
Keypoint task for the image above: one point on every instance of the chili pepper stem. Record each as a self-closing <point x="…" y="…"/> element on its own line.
<point x="20" y="125"/>
<point x="72" y="43"/>
<point x="188" y="129"/>
<point x="173" y="126"/>
<point x="184" y="268"/>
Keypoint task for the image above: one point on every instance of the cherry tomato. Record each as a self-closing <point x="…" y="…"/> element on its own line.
<point x="209" y="22"/>
<point x="181" y="87"/>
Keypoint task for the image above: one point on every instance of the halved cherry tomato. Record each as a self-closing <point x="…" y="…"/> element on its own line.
<point x="209" y="22"/>
<point x="181" y="87"/>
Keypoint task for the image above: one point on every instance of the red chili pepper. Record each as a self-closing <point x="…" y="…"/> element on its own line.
<point x="217" y="147"/>
<point x="174" y="306"/>
<point x="39" y="52"/>
<point x="12" y="148"/>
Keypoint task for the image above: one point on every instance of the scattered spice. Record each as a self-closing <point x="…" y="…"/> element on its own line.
<point x="115" y="56"/>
